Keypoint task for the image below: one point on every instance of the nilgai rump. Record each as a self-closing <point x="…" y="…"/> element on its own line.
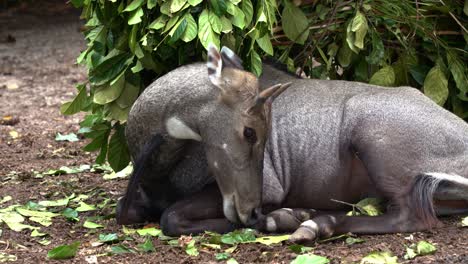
<point x="326" y="140"/>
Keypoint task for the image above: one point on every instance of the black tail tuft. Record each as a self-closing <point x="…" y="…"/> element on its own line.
<point x="421" y="198"/>
<point x="140" y="166"/>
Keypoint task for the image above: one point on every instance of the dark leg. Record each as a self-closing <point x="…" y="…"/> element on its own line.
<point x="201" y="212"/>
<point x="401" y="220"/>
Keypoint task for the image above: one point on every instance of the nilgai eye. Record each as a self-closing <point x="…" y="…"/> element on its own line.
<point x="250" y="135"/>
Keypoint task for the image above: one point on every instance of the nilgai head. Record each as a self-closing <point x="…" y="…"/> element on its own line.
<point x="236" y="133"/>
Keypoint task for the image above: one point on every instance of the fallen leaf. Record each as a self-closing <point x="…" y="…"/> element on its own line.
<point x="121" y="174"/>
<point x="299" y="249"/>
<point x="36" y="233"/>
<point x="269" y="240"/>
<point x="151" y="231"/>
<point x="147" y="246"/>
<point x="191" y="249"/>
<point x="69" y="137"/>
<point x="108" y="238"/>
<point x="121" y="249"/>
<point x="91" y="225"/>
<point x="84" y="207"/>
<point x="232" y="261"/>
<point x="377" y="257"/>
<point x="64" y="251"/>
<point x="352" y="240"/>
<point x="6" y="199"/>
<point x="14" y="134"/>
<point x="464" y="221"/>
<point x="310" y="259"/>
<point x="4" y="257"/>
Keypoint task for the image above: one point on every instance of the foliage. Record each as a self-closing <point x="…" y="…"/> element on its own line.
<point x="386" y="42"/>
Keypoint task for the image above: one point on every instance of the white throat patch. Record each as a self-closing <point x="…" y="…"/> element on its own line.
<point x="178" y="129"/>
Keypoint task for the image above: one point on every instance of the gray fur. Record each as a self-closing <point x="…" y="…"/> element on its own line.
<point x="328" y="140"/>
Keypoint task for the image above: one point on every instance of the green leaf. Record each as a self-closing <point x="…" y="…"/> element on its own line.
<point x="227" y="25"/>
<point x="129" y="92"/>
<point x="377" y="53"/>
<point x="219" y="6"/>
<point x="310" y="259"/>
<point x="436" y="85"/>
<point x="133" y="5"/>
<point x="191" y="30"/>
<point x="121" y="249"/>
<point x="149" y="231"/>
<point x="4" y="257"/>
<point x="118" y="156"/>
<point x="70" y="214"/>
<point x="352" y="241"/>
<point x="109" y="93"/>
<point x="269" y="240"/>
<point x="108" y="238"/>
<point x="191" y="249"/>
<point x="356" y="32"/>
<point x="465" y="8"/>
<point x="60" y="202"/>
<point x="464" y="221"/>
<point x="135" y="16"/>
<point x="383" y="77"/>
<point x="295" y="23"/>
<point x="84" y="207"/>
<point x="91" y="225"/>
<point x="69" y="137"/>
<point x="194" y="2"/>
<point x="205" y="32"/>
<point x="77" y="104"/>
<point x="215" y="22"/>
<point x="255" y="63"/>
<point x="379" y="258"/>
<point x="299" y="249"/>
<point x="121" y="174"/>
<point x="238" y="236"/>
<point x="222" y="256"/>
<point x="147" y="246"/>
<point x="371" y="206"/>
<point x="36" y="233"/>
<point x="6" y="199"/>
<point x="109" y="68"/>
<point x="176" y="5"/>
<point x="410" y="253"/>
<point x="232" y="261"/>
<point x="151" y="4"/>
<point x="345" y="55"/>
<point x="265" y="44"/>
<point x="178" y="30"/>
<point x="159" y="22"/>
<point x="41" y="214"/>
<point x="425" y="248"/>
<point x="64" y="251"/>
<point x="237" y="16"/>
<point x="459" y="72"/>
<point x="247" y="10"/>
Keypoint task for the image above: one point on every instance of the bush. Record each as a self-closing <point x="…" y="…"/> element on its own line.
<point x="386" y="42"/>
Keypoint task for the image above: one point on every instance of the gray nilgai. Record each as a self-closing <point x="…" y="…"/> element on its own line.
<point x="323" y="141"/>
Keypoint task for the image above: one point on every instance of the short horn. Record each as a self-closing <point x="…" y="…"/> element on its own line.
<point x="268" y="95"/>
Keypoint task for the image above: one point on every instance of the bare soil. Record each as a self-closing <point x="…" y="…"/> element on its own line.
<point x="38" y="46"/>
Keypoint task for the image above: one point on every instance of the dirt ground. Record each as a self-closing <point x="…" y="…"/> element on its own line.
<point x="38" y="47"/>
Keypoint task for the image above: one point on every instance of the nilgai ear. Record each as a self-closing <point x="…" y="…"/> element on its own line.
<point x="230" y="59"/>
<point x="266" y="97"/>
<point x="215" y="66"/>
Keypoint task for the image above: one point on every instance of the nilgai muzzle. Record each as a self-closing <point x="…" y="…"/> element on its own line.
<point x="326" y="141"/>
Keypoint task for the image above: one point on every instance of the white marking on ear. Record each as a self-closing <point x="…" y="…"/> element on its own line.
<point x="214" y="65"/>
<point x="178" y="129"/>
<point x="289" y="210"/>
<point x="270" y="224"/>
<point x="311" y="224"/>
<point x="224" y="146"/>
<point x="215" y="164"/>
<point x="449" y="177"/>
